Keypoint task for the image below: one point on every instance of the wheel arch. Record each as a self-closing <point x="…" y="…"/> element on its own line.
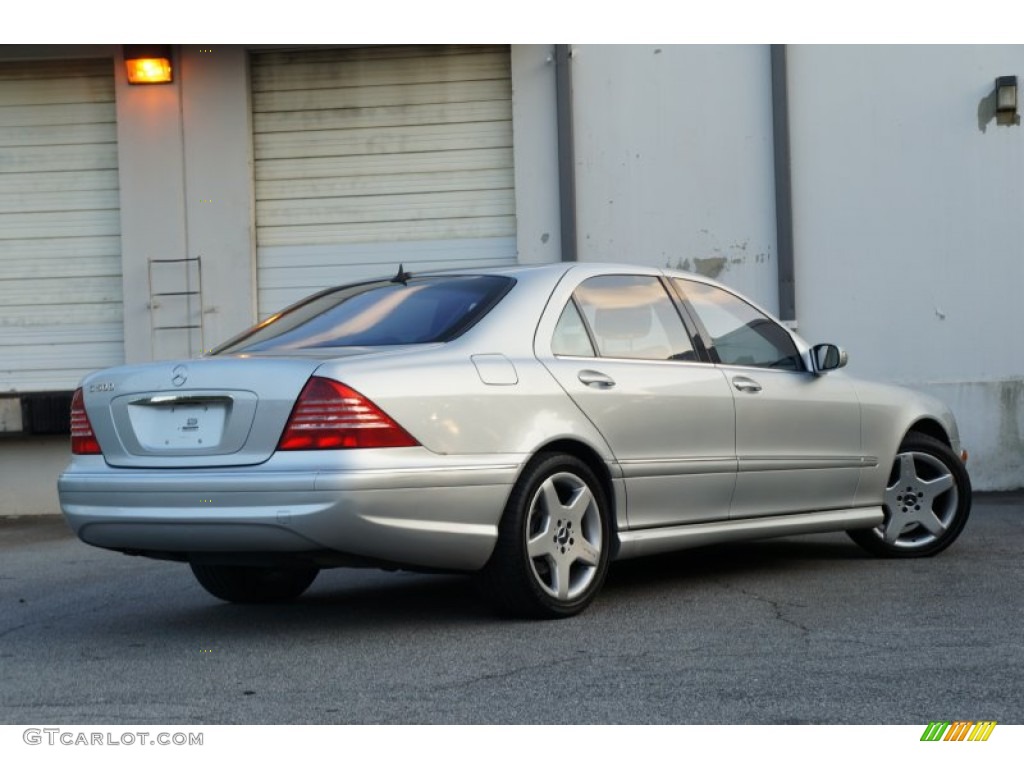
<point x="906" y="530"/>
<point x="511" y="578"/>
<point x="932" y="428"/>
<point x="885" y="441"/>
<point x="585" y="453"/>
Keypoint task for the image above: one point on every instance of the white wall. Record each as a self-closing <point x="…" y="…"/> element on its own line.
<point x="185" y="152"/>
<point x="674" y="160"/>
<point x="29" y="467"/>
<point x="535" y="154"/>
<point x="909" y="229"/>
<point x="219" y="185"/>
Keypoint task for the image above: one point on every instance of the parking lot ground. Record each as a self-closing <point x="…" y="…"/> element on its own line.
<point x="795" y="630"/>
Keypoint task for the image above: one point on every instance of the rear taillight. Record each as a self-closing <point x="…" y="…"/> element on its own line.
<point x="329" y="415"/>
<point x="83" y="441"/>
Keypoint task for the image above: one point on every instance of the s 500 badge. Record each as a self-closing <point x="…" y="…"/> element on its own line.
<point x="103" y="386"/>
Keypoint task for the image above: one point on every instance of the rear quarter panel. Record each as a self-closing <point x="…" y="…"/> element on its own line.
<point x="444" y="403"/>
<point x="439" y="395"/>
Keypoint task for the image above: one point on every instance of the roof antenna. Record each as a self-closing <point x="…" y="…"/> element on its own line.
<point x="402" y="276"/>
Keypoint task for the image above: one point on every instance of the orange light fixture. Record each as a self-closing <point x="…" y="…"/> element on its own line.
<point x="147" y="64"/>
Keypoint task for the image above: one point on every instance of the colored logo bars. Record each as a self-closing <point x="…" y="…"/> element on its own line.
<point x="959" y="730"/>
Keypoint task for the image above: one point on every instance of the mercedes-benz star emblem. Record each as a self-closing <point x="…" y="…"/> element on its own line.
<point x="179" y="375"/>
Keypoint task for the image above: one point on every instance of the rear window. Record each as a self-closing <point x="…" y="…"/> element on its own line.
<point x="423" y="310"/>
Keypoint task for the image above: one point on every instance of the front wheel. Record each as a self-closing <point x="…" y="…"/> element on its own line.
<point x="252" y="584"/>
<point x="554" y="541"/>
<point x="927" y="501"/>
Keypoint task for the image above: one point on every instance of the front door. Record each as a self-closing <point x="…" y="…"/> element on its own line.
<point x="797" y="433"/>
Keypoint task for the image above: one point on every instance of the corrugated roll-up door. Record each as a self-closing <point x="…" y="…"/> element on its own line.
<point x="60" y="229"/>
<point x="371" y="157"/>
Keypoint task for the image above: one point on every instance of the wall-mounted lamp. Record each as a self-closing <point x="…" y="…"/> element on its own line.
<point x="148" y="64"/>
<point x="1006" y="97"/>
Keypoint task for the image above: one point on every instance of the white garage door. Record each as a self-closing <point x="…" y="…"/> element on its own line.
<point x="371" y="157"/>
<point x="60" y="244"/>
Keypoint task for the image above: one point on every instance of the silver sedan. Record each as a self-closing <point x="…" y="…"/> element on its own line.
<point x="529" y="425"/>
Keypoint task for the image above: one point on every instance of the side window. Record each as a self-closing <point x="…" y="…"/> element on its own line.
<point x="631" y="316"/>
<point x="740" y="335"/>
<point x="570" y="337"/>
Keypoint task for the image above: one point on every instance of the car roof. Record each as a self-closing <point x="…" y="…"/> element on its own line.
<point x="557" y="269"/>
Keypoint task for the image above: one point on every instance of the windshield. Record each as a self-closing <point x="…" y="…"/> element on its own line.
<point x="420" y="311"/>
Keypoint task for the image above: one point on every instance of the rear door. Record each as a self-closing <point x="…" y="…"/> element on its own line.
<point x="622" y="353"/>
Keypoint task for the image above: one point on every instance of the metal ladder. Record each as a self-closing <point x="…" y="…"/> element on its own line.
<point x="177" y="311"/>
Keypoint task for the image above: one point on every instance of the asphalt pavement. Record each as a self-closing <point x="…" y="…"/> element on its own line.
<point x="795" y="630"/>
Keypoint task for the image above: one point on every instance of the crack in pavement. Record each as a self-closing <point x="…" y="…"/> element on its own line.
<point x="15" y="629"/>
<point x="776" y="605"/>
<point x="540" y="665"/>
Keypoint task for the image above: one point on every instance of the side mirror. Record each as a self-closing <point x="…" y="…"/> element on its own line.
<point x="827" y="357"/>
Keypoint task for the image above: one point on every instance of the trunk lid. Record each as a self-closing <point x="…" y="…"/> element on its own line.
<point x="210" y="412"/>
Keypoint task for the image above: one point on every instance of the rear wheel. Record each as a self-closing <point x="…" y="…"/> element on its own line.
<point x="554" y="541"/>
<point x="251" y="584"/>
<point x="927" y="501"/>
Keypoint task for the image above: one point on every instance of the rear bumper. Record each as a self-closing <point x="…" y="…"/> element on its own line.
<point x="430" y="512"/>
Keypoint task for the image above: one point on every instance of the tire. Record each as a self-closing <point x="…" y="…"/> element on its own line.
<point x="554" y="541"/>
<point x="250" y="584"/>
<point x="927" y="501"/>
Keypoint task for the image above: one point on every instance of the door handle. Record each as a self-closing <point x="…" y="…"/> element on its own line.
<point x="596" y="379"/>
<point x="745" y="384"/>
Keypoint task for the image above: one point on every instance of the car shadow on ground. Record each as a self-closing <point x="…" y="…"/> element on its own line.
<point x="695" y="569"/>
<point x="746" y="557"/>
<point x="353" y="599"/>
<point x="340" y="599"/>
